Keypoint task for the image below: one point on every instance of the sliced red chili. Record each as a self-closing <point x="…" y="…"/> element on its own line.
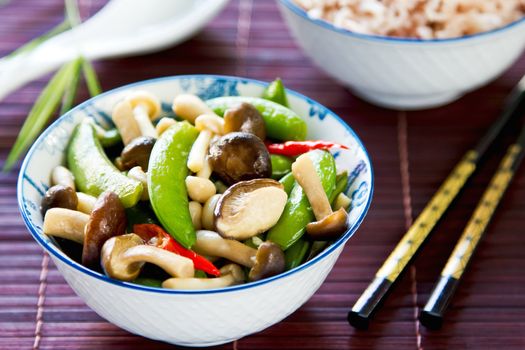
<point x="155" y="235"/>
<point x="295" y="148"/>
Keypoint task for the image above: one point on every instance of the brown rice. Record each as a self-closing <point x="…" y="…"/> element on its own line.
<point x="425" y="19"/>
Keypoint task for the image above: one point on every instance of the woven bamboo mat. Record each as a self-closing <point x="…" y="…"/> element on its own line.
<point x="412" y="153"/>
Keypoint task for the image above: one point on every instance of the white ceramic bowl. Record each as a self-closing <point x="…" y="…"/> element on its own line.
<point x="406" y="73"/>
<point x="193" y="318"/>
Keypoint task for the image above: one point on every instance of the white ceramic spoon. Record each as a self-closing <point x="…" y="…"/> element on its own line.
<point x="122" y="27"/>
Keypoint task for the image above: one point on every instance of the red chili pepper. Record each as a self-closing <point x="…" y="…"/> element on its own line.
<point x="295" y="148"/>
<point x="155" y="235"/>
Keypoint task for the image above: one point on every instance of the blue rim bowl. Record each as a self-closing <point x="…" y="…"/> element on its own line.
<point x="55" y="251"/>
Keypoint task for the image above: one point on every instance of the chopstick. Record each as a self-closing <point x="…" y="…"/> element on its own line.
<point x="372" y="298"/>
<point x="432" y="314"/>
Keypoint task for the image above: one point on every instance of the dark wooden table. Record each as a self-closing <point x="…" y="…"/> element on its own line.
<point x="411" y="152"/>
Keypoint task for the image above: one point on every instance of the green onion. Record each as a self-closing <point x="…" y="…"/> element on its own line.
<point x="71" y="90"/>
<point x="91" y="78"/>
<point x="42" y="110"/>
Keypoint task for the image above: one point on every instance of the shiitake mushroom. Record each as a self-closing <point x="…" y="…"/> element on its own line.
<point x="107" y="219"/>
<point x="137" y="152"/>
<point x="246" y="118"/>
<point x="239" y="156"/>
<point x="59" y="196"/>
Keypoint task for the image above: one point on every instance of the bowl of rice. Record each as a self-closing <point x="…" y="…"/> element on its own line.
<point x="410" y="54"/>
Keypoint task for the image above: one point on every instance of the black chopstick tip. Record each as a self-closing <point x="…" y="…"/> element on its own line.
<point x="431" y="320"/>
<point x="358" y="321"/>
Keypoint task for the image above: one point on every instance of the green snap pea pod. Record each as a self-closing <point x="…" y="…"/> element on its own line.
<point x="281" y="123"/>
<point x="166" y="181"/>
<point x="110" y="138"/>
<point x="316" y="248"/>
<point x="148" y="282"/>
<point x="340" y="185"/>
<point x="275" y="92"/>
<point x="281" y="165"/>
<point x="297" y="211"/>
<point x="200" y="274"/>
<point x="288" y="182"/>
<point x="93" y="171"/>
<point x="296" y="254"/>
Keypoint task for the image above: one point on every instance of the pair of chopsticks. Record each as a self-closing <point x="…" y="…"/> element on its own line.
<point x="400" y="258"/>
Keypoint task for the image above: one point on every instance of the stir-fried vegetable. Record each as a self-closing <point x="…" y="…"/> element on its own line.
<point x="298" y="212"/>
<point x="157" y="236"/>
<point x="295" y="148"/>
<point x="166" y="181"/>
<point x="275" y="92"/>
<point x="94" y="173"/>
<point x="211" y="213"/>
<point x="281" y="122"/>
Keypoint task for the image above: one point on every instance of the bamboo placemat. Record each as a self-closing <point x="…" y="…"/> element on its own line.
<point x="411" y="152"/>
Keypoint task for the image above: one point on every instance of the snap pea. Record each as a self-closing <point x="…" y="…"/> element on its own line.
<point x="281" y="123"/>
<point x="297" y="211"/>
<point x="340" y="184"/>
<point x="316" y="248"/>
<point x="288" y="182"/>
<point x="295" y="255"/>
<point x="93" y="171"/>
<point x="275" y="92"/>
<point x="148" y="282"/>
<point x="200" y="274"/>
<point x="281" y="165"/>
<point x="110" y="138"/>
<point x="166" y="181"/>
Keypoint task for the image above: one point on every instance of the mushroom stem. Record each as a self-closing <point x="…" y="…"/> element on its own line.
<point x="125" y="122"/>
<point x="230" y="274"/>
<point x="62" y="176"/>
<point x="86" y="202"/>
<point x="145" y="107"/>
<point x="173" y="264"/>
<point x="304" y="172"/>
<point x="65" y="223"/>
<point x="211" y="243"/>
<point x="138" y="174"/>
<point x="140" y="113"/>
<point x="206" y="169"/>
<point x="199" y="150"/>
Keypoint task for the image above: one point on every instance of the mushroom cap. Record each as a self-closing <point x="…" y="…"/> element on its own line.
<point x="245" y="117"/>
<point x="141" y="97"/>
<point x="107" y="219"/>
<point x="269" y="261"/>
<point x="111" y="257"/>
<point x="137" y="152"/>
<point x="59" y="196"/>
<point x="329" y="228"/>
<point x="239" y="156"/>
<point x="249" y="208"/>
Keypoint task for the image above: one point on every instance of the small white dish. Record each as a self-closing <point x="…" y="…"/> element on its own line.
<point x="406" y="73"/>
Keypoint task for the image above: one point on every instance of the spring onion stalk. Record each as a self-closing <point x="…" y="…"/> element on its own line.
<point x="60" y="90"/>
<point x="44" y="107"/>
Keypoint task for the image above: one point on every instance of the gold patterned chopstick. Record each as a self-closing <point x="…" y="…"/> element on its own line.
<point x="432" y="314"/>
<point x="372" y="298"/>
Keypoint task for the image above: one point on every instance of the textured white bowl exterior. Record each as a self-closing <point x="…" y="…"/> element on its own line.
<point x="406" y="74"/>
<point x="199" y="319"/>
<point x="193" y="318"/>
